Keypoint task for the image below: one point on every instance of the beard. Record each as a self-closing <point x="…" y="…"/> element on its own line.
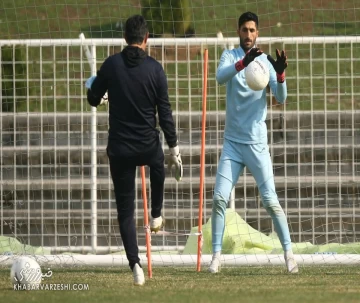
<point x="245" y="46"/>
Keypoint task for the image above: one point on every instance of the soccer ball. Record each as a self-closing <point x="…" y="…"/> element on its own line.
<point x="257" y="75"/>
<point x="26" y="272"/>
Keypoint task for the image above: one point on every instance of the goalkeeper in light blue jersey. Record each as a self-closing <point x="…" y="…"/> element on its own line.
<point x="245" y="137"/>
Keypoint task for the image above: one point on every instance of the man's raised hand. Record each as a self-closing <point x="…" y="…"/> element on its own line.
<point x="88" y="83"/>
<point x="280" y="64"/>
<point x="251" y="55"/>
<point x="248" y="58"/>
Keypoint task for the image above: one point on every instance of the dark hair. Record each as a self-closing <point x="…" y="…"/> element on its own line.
<point x="248" y="16"/>
<point x="135" y="29"/>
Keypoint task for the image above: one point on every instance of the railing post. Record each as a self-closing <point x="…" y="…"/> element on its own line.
<point x="93" y="162"/>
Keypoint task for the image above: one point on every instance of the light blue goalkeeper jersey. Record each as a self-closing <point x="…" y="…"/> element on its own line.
<point x="246" y="109"/>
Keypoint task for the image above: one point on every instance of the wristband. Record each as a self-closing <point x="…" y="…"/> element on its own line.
<point x="280" y="77"/>
<point x="239" y="65"/>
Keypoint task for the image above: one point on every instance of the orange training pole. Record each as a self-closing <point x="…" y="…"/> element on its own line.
<point x="146" y="221"/>
<point x="202" y="160"/>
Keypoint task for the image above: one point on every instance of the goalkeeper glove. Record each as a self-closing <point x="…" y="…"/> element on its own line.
<point x="249" y="57"/>
<point x="89" y="82"/>
<point x="175" y="159"/>
<point x="104" y="100"/>
<point x="279" y="65"/>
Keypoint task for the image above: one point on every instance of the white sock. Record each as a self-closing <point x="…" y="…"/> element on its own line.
<point x="289" y="254"/>
<point x="217" y="254"/>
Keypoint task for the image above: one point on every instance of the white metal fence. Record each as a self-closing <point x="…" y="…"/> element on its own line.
<point x="55" y="184"/>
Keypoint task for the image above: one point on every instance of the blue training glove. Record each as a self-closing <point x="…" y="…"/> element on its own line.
<point x="89" y="82"/>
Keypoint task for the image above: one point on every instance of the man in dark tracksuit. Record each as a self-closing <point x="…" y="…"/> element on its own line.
<point x="137" y="87"/>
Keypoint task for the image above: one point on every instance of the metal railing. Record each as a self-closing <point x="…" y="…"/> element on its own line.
<point x="55" y="183"/>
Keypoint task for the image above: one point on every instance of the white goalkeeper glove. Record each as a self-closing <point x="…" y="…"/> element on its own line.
<point x="175" y="159"/>
<point x="89" y="82"/>
<point x="104" y="99"/>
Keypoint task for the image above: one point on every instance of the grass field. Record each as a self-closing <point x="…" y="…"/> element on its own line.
<point x="246" y="284"/>
<point x="33" y="19"/>
<point x="23" y="19"/>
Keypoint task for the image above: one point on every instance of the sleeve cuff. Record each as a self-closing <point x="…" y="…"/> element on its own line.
<point x="280" y="77"/>
<point x="173" y="144"/>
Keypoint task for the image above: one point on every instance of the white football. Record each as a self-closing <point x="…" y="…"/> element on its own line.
<point x="257" y="75"/>
<point x="25" y="271"/>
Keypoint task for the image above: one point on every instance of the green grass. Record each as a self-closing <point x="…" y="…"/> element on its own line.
<point x="66" y="18"/>
<point x="32" y="19"/>
<point x="242" y="284"/>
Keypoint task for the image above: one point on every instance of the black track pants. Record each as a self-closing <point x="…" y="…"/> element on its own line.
<point x="123" y="175"/>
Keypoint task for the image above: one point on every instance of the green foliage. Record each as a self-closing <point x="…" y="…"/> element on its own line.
<point x="168" y="17"/>
<point x="12" y="68"/>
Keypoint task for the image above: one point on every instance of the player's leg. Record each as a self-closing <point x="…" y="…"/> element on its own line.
<point x="257" y="159"/>
<point x="157" y="179"/>
<point x="123" y="176"/>
<point x="228" y="172"/>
